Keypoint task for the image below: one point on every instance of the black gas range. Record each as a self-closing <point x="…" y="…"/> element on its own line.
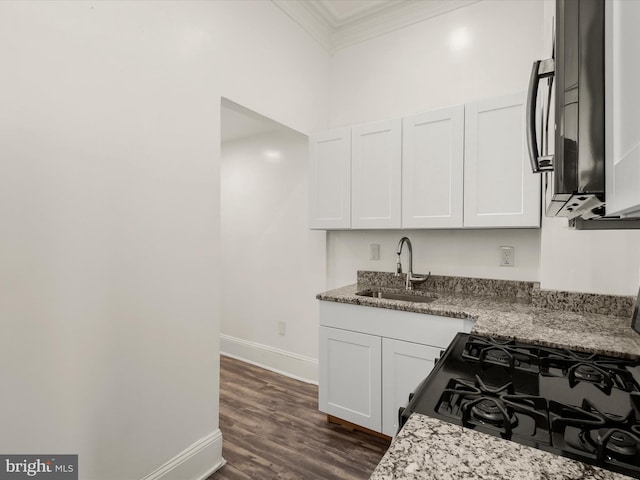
<point x="578" y="405"/>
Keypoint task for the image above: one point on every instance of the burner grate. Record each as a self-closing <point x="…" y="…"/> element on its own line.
<point x="495" y="409"/>
<point x="579" y="405"/>
<point x="604" y="375"/>
<point x="591" y="435"/>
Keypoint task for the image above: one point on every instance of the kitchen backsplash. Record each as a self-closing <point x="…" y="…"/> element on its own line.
<point x="439" y="283"/>
<point x="618" y="305"/>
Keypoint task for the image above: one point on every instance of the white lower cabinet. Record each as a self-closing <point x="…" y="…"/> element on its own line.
<point x="371" y="359"/>
<point x="404" y="366"/>
<point x="351" y="376"/>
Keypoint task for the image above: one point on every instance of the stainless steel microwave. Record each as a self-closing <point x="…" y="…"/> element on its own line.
<point x="576" y="70"/>
<point x="574" y="165"/>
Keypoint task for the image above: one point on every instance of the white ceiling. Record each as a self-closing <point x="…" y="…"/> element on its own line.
<point x="336" y="24"/>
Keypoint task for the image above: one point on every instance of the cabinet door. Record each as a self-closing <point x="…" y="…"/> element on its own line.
<point x="432" y="169"/>
<point x="404" y="366"/>
<point x="499" y="188"/>
<point x="376" y="158"/>
<point x="622" y="104"/>
<point x="330" y="180"/>
<point x="350" y="381"/>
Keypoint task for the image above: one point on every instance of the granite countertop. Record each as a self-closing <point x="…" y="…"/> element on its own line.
<point x="429" y="449"/>
<point x="515" y="318"/>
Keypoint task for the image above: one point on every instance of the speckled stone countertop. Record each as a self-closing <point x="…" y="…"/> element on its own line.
<point x="428" y="449"/>
<point x="515" y="318"/>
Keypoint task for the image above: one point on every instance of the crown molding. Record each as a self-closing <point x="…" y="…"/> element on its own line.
<point x="337" y="19"/>
<point x="335" y="33"/>
<point x="310" y="21"/>
<point x="403" y="14"/>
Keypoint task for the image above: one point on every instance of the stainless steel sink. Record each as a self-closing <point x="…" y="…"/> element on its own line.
<point x="406" y="297"/>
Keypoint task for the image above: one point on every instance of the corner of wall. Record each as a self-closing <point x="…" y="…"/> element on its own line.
<point x="293" y="365"/>
<point x="196" y="462"/>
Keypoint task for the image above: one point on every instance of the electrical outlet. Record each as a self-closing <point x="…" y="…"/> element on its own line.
<point x="374" y="251"/>
<point x="282" y="328"/>
<point x="507" y="256"/>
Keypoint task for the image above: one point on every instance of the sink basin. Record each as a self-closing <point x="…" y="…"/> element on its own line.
<point x="406" y="297"/>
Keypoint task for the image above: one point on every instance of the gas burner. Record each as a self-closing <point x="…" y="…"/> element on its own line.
<point x="607" y="444"/>
<point x="496" y="410"/>
<point x="604" y="375"/>
<point x="478" y="405"/>
<point x="588" y="373"/>
<point x="602" y="438"/>
<point x="460" y="395"/>
<point x="618" y="444"/>
<point x="490" y="411"/>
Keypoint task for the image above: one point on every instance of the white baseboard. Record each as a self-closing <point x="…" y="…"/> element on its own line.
<point x="196" y="462"/>
<point x="286" y="363"/>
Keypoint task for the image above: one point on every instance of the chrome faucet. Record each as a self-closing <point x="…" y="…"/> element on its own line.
<point x="411" y="279"/>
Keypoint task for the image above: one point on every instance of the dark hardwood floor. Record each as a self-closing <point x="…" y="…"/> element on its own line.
<point x="272" y="428"/>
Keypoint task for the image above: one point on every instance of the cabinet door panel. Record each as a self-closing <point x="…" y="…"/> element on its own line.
<point x="404" y="366"/>
<point x="376" y="175"/>
<point x="330" y="180"/>
<point x="499" y="188"/>
<point x="622" y="105"/>
<point x="350" y="383"/>
<point x="432" y="169"/>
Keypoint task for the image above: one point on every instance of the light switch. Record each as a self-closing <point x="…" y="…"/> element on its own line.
<point x="374" y="251"/>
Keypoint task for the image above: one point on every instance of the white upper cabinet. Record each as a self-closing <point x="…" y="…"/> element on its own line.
<point x="330" y="180"/>
<point x="499" y="189"/>
<point x="622" y="164"/>
<point x="432" y="169"/>
<point x="458" y="167"/>
<point x="376" y="163"/>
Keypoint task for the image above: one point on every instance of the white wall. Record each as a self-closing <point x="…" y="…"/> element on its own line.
<point x="441" y="252"/>
<point x="417" y="69"/>
<point x="273" y="265"/>
<point x="589" y="261"/>
<point x="110" y="222"/>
